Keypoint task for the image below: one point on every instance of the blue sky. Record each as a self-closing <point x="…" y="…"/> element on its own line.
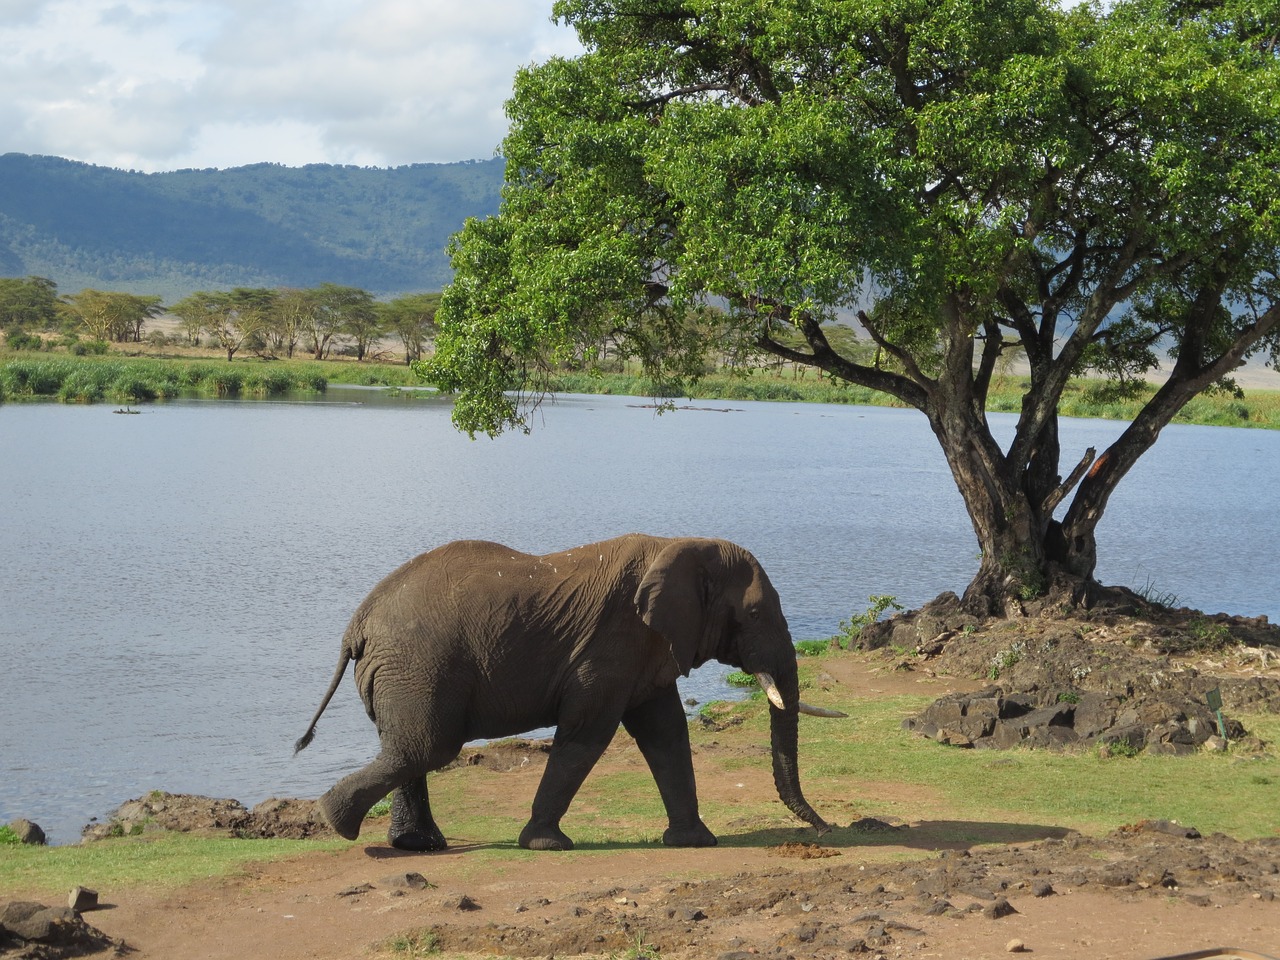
<point x="167" y="84"/>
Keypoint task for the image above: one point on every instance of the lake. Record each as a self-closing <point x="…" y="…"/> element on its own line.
<point x="174" y="585"/>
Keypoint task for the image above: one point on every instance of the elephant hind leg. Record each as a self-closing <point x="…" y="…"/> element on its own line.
<point x="412" y="826"/>
<point x="346" y="803"/>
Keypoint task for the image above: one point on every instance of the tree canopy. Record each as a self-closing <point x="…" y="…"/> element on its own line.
<point x="1093" y="186"/>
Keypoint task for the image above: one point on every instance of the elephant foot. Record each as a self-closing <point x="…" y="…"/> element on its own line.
<point x="544" y="838"/>
<point x="339" y="815"/>
<point x="419" y="841"/>
<point x="695" y="836"/>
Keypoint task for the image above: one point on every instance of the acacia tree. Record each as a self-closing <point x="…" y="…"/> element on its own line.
<point x="1090" y="186"/>
<point x="28" y="302"/>
<point x="110" y="315"/>
<point x="413" y="319"/>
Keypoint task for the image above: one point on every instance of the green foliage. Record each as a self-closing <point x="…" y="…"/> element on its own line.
<point x="1080" y="184"/>
<point x="15" y="338"/>
<point x="137" y="379"/>
<point x="739" y="679"/>
<point x="7" y="835"/>
<point x="850" y="635"/>
<point x="30" y="302"/>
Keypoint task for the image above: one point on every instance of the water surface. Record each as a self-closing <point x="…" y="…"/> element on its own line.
<point x="173" y="585"/>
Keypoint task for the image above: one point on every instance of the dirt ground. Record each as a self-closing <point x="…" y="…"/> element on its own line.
<point x="869" y="888"/>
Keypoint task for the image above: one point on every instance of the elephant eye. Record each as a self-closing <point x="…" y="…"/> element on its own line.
<point x="753" y="613"/>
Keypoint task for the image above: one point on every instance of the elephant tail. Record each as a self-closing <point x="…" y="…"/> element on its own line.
<point x="305" y="740"/>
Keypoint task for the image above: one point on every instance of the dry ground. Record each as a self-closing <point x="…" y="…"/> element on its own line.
<point x="867" y="889"/>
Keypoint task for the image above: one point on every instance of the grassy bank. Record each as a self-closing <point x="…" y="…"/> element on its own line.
<point x="862" y="766"/>
<point x="1082" y="398"/>
<point x="117" y="379"/>
<point x="120" y="379"/>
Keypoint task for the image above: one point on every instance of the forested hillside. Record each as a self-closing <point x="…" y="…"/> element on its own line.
<point x="383" y="230"/>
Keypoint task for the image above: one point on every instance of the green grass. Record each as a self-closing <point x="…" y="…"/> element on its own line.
<point x="1258" y="408"/>
<point x="120" y="379"/>
<point x="166" y="860"/>
<point x="123" y="379"/>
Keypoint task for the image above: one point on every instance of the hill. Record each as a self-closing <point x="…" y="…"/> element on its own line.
<point x="383" y="230"/>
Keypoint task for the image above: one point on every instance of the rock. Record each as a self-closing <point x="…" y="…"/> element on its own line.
<point x="358" y="890"/>
<point x="1042" y="888"/>
<point x="1170" y="827"/>
<point x="402" y="881"/>
<point x="28" y="832"/>
<point x="1001" y="908"/>
<point x="1015" y="946"/>
<point x="41" y="927"/>
<point x="82" y="899"/>
<point x="465" y="903"/>
<point x="44" y="924"/>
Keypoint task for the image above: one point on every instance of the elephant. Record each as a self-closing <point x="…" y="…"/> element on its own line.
<point x="474" y="640"/>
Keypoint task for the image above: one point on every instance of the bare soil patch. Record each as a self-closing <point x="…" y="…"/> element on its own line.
<point x="874" y="887"/>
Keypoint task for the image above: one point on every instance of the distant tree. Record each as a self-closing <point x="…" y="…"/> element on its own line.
<point x="231" y="318"/>
<point x="193" y="313"/>
<point x="108" y="315"/>
<point x="360" y="319"/>
<point x="30" y="302"/>
<point x="1095" y="183"/>
<point x="413" y="319"/>
<point x="323" y="323"/>
<point x="289" y="318"/>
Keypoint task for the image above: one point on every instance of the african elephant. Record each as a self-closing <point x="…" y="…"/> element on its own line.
<point x="475" y="640"/>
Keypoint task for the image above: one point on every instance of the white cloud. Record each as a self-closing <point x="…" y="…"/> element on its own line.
<point x="164" y="84"/>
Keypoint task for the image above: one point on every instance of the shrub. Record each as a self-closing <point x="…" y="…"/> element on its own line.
<point x="89" y="348"/>
<point x="81" y="386"/>
<point x="18" y="339"/>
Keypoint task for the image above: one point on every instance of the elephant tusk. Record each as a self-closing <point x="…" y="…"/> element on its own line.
<point x="775" y="697"/>
<point x="813" y="711"/>
<point x="770" y="690"/>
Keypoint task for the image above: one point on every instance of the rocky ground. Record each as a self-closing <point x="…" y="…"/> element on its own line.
<point x="870" y="888"/>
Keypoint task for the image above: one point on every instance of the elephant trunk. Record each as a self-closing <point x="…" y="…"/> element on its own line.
<point x="784" y="735"/>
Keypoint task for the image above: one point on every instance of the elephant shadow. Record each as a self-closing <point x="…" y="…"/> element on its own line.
<point x="931" y="835"/>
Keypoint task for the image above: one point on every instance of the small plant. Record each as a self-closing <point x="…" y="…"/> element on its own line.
<point x="1006" y="659"/>
<point x="414" y="943"/>
<point x="1159" y="598"/>
<point x="1068" y="696"/>
<point x="739" y="679"/>
<point x="1117" y="748"/>
<point x="812" y="648"/>
<point x="7" y="835"/>
<point x="381" y="808"/>
<point x="850" y="633"/>
<point x="1209" y="635"/>
<point x="641" y="950"/>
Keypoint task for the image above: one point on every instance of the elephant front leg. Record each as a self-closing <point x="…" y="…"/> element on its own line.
<point x="661" y="731"/>
<point x="412" y="826"/>
<point x="574" y="752"/>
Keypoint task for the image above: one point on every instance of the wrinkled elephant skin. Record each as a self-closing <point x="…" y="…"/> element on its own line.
<point x="475" y="640"/>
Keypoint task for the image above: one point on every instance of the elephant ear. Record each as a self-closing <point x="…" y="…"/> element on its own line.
<point x="673" y="598"/>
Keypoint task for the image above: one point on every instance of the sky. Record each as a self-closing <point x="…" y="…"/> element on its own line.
<point x="155" y="85"/>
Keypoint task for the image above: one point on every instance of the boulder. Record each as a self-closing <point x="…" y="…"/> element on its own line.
<point x="994" y="718"/>
<point x="28" y="832"/>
